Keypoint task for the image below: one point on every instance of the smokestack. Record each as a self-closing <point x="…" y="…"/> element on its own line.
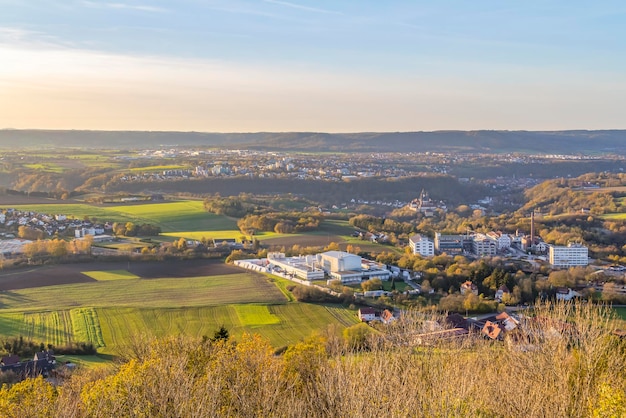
<point x="532" y="227"/>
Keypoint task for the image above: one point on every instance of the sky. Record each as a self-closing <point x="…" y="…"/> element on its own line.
<point x="304" y="65"/>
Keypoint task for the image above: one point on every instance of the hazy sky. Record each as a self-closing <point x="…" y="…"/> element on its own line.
<point x="304" y="65"/>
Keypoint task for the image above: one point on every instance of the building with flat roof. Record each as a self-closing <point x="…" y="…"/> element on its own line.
<point x="422" y="245"/>
<point x="452" y="244"/>
<point x="304" y="267"/>
<point x="484" y="246"/>
<point x="351" y="268"/>
<point x="572" y="255"/>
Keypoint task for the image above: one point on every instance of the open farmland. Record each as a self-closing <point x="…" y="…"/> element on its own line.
<point x="185" y="218"/>
<point x="192" y="297"/>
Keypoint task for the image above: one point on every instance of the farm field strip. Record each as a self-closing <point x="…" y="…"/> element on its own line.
<point x="86" y="326"/>
<point x="157" y="293"/>
<point x="111" y="328"/>
<point x="102" y="276"/>
<point x="345" y="316"/>
<point x="54" y="327"/>
<point x="255" y="315"/>
<point x="199" y="235"/>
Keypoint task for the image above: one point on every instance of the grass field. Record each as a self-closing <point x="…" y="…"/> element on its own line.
<point x="255" y="315"/>
<point x="110" y="275"/>
<point x="111" y="311"/>
<point x="110" y="328"/>
<point x="172" y="217"/>
<point x="621" y="313"/>
<point x="157" y="293"/>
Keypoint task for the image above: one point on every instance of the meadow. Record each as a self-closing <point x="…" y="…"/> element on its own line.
<point x="185" y="218"/>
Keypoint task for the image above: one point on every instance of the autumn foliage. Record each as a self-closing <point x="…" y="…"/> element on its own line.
<point x="573" y="373"/>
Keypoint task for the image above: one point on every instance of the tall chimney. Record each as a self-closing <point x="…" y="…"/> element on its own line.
<point x="532" y="227"/>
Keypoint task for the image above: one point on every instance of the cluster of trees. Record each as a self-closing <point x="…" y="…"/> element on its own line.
<point x="58" y="247"/>
<point x="32" y="234"/>
<point x="334" y="373"/>
<point x="282" y="223"/>
<point x="129" y="229"/>
<point x="312" y="295"/>
<point x="466" y="303"/>
<point x="229" y="206"/>
<point x="378" y="224"/>
<point x="27" y="348"/>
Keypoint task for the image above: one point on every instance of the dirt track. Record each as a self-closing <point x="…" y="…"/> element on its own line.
<point x="37" y="276"/>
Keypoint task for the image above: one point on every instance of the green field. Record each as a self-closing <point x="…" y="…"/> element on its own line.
<point x="619" y="216"/>
<point x="154" y="293"/>
<point x="172" y="217"/>
<point x="111" y="312"/>
<point x="621" y="313"/>
<point x="110" y="275"/>
<point x="159" y="168"/>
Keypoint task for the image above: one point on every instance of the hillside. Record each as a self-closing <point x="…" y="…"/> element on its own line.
<point x="556" y="142"/>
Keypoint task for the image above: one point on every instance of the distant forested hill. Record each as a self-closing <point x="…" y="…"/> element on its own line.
<point x="556" y="142"/>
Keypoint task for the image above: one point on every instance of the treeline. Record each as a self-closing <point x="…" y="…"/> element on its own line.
<point x="575" y="369"/>
<point x="130" y="229"/>
<point x="27" y="348"/>
<point x="229" y="206"/>
<point x="379" y="224"/>
<point x="58" y="247"/>
<point x="281" y="223"/>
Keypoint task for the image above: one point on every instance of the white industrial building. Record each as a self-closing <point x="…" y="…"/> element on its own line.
<point x="339" y="265"/>
<point x="484" y="246"/>
<point x="422" y="245"/>
<point x="351" y="268"/>
<point x="503" y="241"/>
<point x="304" y="267"/>
<point x="572" y="255"/>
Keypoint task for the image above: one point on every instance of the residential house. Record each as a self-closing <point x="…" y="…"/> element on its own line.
<point x="566" y="294"/>
<point x="367" y="314"/>
<point x="502" y="290"/>
<point x="492" y="330"/>
<point x="387" y="316"/>
<point x="469" y="287"/>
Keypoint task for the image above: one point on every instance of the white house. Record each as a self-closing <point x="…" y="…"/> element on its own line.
<point x="367" y="314"/>
<point x="422" y="245"/>
<point x="565" y="293"/>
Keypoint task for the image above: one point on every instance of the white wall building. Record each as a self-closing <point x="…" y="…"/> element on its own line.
<point x="483" y="245"/>
<point x="303" y="267"/>
<point x="570" y="256"/>
<point x="503" y="241"/>
<point x="422" y="245"/>
<point x="339" y="261"/>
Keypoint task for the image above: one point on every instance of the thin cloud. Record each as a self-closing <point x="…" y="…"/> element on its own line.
<point x="301" y="7"/>
<point x="125" y="6"/>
